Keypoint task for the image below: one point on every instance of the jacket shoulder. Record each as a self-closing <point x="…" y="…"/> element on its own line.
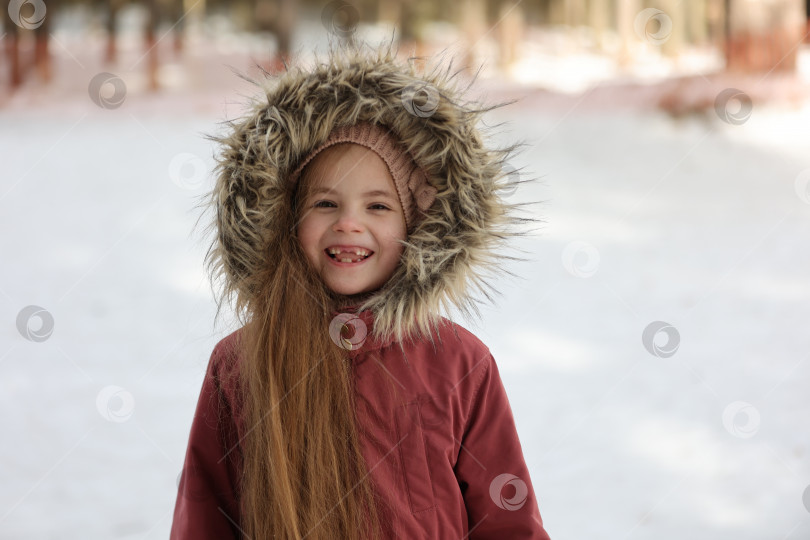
<point x="223" y="370"/>
<point x="226" y="351"/>
<point x="452" y="334"/>
<point x="466" y="358"/>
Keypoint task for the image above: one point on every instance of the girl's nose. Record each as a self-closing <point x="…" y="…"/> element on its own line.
<point x="347" y="221"/>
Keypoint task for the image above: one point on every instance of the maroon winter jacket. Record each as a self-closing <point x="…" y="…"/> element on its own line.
<point x="445" y="452"/>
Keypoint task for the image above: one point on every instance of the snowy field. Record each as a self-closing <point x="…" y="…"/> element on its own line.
<point x="701" y="433"/>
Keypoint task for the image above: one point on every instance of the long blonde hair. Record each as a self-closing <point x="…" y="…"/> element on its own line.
<point x="303" y="472"/>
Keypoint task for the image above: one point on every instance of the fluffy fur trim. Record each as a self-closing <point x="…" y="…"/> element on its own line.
<point x="458" y="247"/>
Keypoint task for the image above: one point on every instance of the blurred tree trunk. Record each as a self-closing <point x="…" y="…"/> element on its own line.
<point x="510" y="32"/>
<point x="388" y="11"/>
<point x="150" y="42"/>
<point x="412" y="16"/>
<point x="12" y="50"/>
<point x="473" y="28"/>
<point x="625" y="15"/>
<point x="807" y="21"/>
<point x="696" y="21"/>
<point x="279" y="18"/>
<point x="287" y="15"/>
<point x="676" y="11"/>
<point x="557" y="14"/>
<point x="407" y="23"/>
<point x="599" y="19"/>
<point x="716" y="23"/>
<point x="111" y="23"/>
<point x="177" y="10"/>
<point x="575" y="12"/>
<point x="42" y="55"/>
<point x="763" y="35"/>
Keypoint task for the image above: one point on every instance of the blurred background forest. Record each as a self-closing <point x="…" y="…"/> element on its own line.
<point x="560" y="45"/>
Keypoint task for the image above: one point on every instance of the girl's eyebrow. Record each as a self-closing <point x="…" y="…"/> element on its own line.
<point x="372" y="193"/>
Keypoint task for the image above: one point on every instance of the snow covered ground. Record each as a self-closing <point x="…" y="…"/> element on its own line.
<point x="699" y="223"/>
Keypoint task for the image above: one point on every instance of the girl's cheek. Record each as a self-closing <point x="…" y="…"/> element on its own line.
<point x="306" y="237"/>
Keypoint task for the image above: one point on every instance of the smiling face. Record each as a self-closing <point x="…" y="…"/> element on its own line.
<point x="350" y="219"/>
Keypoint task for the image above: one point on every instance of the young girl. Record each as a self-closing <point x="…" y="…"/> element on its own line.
<point x="353" y="203"/>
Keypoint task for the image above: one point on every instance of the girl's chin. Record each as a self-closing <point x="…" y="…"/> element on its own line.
<point x="349" y="293"/>
<point x="352" y="293"/>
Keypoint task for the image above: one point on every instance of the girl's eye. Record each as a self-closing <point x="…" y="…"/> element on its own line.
<point x="330" y="204"/>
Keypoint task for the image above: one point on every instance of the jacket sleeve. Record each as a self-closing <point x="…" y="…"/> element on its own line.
<point x="491" y="470"/>
<point x="207" y="505"/>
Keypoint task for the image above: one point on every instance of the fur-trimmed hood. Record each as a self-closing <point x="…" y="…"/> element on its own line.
<point x="457" y="248"/>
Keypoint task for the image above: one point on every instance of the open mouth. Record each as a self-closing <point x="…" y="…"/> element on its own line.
<point x="348" y="255"/>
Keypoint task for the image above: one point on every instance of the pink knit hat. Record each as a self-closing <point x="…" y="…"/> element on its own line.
<point x="414" y="191"/>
